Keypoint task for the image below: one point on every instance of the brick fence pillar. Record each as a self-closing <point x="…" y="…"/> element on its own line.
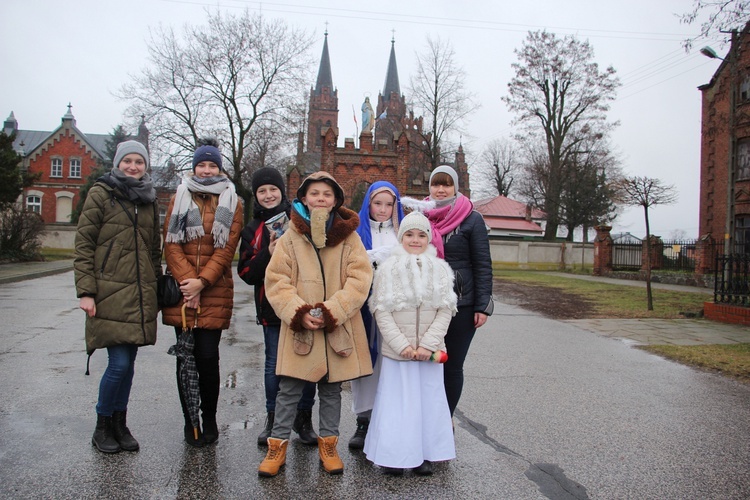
<point x="704" y="255"/>
<point x="603" y="251"/>
<point x="657" y="253"/>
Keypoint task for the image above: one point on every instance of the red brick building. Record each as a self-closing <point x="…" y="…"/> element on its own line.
<point x="64" y="158"/>
<point x="725" y="143"/>
<point x="390" y="153"/>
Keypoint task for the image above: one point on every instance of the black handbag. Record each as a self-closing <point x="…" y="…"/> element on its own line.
<point x="168" y="291"/>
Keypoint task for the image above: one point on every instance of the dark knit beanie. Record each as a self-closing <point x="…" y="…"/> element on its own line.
<point x="207" y="152"/>
<point x="267" y="175"/>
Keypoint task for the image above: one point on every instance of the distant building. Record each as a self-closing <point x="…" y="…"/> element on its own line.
<point x="510" y="218"/>
<point x="725" y="141"/>
<point x="389" y="152"/>
<point x="64" y="157"/>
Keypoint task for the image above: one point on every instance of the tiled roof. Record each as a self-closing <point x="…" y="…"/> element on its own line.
<point x="501" y="206"/>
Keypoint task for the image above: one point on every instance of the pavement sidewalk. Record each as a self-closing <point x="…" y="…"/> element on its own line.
<point x="633" y="331"/>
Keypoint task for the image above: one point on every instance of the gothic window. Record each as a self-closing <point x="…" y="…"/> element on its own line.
<point x="742" y="234"/>
<point x="745" y="89"/>
<point x="743" y="159"/>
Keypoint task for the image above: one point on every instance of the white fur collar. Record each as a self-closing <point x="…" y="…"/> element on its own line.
<point x="407" y="281"/>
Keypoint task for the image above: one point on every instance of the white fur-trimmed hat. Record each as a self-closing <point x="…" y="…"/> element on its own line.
<point x="415" y="220"/>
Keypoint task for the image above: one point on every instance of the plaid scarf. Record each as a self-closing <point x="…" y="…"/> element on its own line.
<point x="185" y="223"/>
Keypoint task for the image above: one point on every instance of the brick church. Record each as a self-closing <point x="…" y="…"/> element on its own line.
<point x="387" y="151"/>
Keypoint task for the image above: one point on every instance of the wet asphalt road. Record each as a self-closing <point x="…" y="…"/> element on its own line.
<point x="549" y="411"/>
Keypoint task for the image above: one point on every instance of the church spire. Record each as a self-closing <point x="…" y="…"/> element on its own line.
<point x="391" y="77"/>
<point x="324" y="72"/>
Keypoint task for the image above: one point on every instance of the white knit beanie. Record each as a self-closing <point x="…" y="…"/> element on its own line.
<point x="415" y="220"/>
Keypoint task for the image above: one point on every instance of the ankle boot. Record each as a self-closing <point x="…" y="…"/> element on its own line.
<point x="210" y="430"/>
<point x="357" y="442"/>
<point x="275" y="458"/>
<point x="104" y="438"/>
<point x="303" y="426"/>
<point x="122" y="433"/>
<point x="190" y="436"/>
<point x="266" y="433"/>
<point x="329" y="457"/>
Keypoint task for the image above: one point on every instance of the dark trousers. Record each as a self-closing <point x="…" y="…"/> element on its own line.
<point x="271" y="337"/>
<point x="457" y="341"/>
<point x="206" y="353"/>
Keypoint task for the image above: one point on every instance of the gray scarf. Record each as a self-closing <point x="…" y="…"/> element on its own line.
<point x="185" y="223"/>
<point x="136" y="190"/>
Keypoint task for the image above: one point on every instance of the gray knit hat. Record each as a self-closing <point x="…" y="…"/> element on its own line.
<point x="415" y="220"/>
<point x="128" y="147"/>
<point x="445" y="169"/>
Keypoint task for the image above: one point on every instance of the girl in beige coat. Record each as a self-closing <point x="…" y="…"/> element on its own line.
<point x="317" y="281"/>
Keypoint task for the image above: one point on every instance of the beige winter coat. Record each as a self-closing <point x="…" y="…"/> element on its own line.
<point x="335" y="278"/>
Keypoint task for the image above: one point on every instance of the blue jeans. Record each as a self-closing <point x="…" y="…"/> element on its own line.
<point x="457" y="341"/>
<point x="271" y="338"/>
<point x="114" y="388"/>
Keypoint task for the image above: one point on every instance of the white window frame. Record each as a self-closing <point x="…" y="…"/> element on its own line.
<point x="75" y="162"/>
<point x="33" y="206"/>
<point x="56" y="168"/>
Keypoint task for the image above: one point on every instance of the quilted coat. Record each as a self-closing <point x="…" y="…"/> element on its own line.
<point x="198" y="258"/>
<point x="117" y="262"/>
<point x="336" y="279"/>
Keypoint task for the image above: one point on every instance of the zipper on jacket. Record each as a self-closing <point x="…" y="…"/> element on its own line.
<point x="325" y="294"/>
<point x="106" y="258"/>
<point x="138" y="274"/>
<point x="417" y="332"/>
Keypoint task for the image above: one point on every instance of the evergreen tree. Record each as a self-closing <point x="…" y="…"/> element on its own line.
<point x="12" y="179"/>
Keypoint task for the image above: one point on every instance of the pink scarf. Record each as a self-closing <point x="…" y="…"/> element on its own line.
<point x="445" y="219"/>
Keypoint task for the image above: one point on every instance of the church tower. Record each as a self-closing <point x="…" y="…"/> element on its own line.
<point x="391" y="104"/>
<point x="324" y="103"/>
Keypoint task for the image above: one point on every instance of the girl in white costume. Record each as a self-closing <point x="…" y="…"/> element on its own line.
<point x="413" y="302"/>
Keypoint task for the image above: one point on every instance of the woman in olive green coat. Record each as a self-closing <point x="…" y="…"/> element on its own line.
<point x="116" y="265"/>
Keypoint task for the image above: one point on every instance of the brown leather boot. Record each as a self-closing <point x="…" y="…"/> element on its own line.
<point x="275" y="458"/>
<point x="329" y="456"/>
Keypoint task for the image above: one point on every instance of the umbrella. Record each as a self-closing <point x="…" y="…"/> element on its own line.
<point x="187" y="371"/>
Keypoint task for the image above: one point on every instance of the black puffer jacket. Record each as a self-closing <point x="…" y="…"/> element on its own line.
<point x="467" y="250"/>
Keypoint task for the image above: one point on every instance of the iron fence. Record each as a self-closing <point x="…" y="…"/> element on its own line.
<point x="732" y="279"/>
<point x="670" y="255"/>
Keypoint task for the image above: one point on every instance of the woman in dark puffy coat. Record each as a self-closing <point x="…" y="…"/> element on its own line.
<point x="460" y="236"/>
<point x="202" y="229"/>
<point x="117" y="261"/>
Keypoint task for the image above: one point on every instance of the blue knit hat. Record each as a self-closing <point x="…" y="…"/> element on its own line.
<point x="207" y="152"/>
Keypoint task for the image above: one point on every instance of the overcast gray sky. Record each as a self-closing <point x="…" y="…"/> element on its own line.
<point x="81" y="51"/>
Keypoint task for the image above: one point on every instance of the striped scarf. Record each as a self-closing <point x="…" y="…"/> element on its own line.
<point x="185" y="223"/>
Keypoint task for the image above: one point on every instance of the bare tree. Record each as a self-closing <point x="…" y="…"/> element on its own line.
<point x="646" y="192"/>
<point x="437" y="91"/>
<point x="498" y="167"/>
<point x="559" y="94"/>
<point x="723" y="17"/>
<point x="222" y="80"/>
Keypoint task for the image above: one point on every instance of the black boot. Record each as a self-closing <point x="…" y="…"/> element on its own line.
<point x="190" y="433"/>
<point x="104" y="438"/>
<point x="303" y="426"/>
<point x="425" y="469"/>
<point x="357" y="442"/>
<point x="266" y="433"/>
<point x="122" y="433"/>
<point x="210" y="430"/>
